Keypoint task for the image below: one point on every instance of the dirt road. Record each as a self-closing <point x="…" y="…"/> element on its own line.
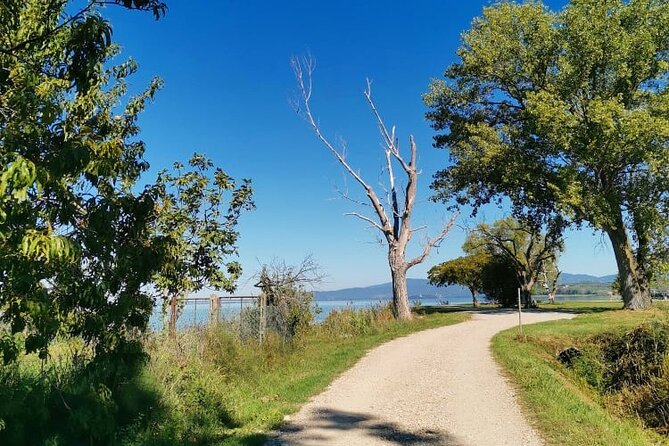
<point x="436" y="387"/>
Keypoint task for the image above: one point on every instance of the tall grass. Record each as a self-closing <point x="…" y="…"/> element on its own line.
<point x="209" y="386"/>
<point x="222" y="390"/>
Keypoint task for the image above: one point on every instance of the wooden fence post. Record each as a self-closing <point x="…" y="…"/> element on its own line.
<point x="263" y="316"/>
<point x="173" y="317"/>
<point x="520" y="321"/>
<point x="214" y="309"/>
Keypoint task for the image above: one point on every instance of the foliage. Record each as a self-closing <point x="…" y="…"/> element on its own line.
<point x="63" y="403"/>
<point x="566" y="113"/>
<point x="521" y="244"/>
<point x="347" y="322"/>
<point x="199" y="227"/>
<point x="630" y="370"/>
<point x="289" y="307"/>
<point x="78" y="242"/>
<point x="499" y="282"/>
<point x="466" y="271"/>
<point x="75" y="237"/>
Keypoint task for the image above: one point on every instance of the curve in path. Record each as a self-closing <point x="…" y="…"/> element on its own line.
<point x="436" y="387"/>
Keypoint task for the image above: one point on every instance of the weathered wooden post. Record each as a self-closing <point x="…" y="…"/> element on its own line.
<point x="214" y="309"/>
<point x="520" y="321"/>
<point x="173" y="317"/>
<point x="262" y="302"/>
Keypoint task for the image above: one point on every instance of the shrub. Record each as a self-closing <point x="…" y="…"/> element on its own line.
<point x="637" y="357"/>
<point x="631" y="370"/>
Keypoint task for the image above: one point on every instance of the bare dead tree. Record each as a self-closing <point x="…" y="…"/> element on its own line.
<point x="277" y="280"/>
<point x="392" y="219"/>
<point x="283" y="287"/>
<point x="553" y="279"/>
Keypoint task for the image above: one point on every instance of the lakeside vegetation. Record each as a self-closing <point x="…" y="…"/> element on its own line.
<point x="562" y="400"/>
<point x="206" y="387"/>
<point x="562" y="118"/>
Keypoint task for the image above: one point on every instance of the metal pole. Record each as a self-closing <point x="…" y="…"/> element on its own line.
<point x="520" y="320"/>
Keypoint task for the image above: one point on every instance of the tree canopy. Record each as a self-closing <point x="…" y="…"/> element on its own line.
<point x="566" y="113"/>
<point x="199" y="225"/>
<point x="524" y="246"/>
<point x="466" y="271"/>
<point x="80" y="239"/>
<point x="75" y="238"/>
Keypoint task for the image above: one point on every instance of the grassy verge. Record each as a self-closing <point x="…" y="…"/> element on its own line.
<point x="563" y="406"/>
<point x="216" y="390"/>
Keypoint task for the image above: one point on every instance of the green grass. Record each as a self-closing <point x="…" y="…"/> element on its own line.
<point x="249" y="388"/>
<point x="562" y="405"/>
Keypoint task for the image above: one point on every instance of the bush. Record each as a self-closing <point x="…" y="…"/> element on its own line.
<point x="287" y="318"/>
<point x="637" y="357"/>
<point x="631" y="370"/>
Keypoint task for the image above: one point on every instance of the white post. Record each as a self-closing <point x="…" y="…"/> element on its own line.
<point x="520" y="321"/>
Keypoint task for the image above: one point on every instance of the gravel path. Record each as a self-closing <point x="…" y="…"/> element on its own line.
<point x="436" y="387"/>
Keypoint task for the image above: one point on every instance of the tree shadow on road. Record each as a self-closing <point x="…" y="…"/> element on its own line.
<point x="328" y="424"/>
<point x="584" y="307"/>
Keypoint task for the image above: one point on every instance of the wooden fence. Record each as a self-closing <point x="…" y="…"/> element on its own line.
<point x="211" y="305"/>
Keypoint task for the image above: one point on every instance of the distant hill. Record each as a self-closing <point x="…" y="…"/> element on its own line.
<point x="417" y="288"/>
<point x="570" y="279"/>
<point x="422" y="288"/>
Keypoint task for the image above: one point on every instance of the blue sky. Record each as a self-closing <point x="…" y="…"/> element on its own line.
<point x="228" y="82"/>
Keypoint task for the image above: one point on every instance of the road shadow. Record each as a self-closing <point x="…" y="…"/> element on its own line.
<point x="572" y="308"/>
<point x="328" y="424"/>
<point x="443" y="309"/>
<point x="582" y="309"/>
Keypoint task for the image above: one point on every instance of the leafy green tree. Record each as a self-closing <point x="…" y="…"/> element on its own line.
<point x="197" y="219"/>
<point x="75" y="237"/>
<point x="499" y="282"/>
<point x="523" y="245"/>
<point x="466" y="271"/>
<point x="78" y="242"/>
<point x="566" y="113"/>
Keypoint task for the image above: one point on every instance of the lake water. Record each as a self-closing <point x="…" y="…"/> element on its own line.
<point x="197" y="313"/>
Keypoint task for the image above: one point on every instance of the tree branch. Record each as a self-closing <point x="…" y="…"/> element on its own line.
<point x="432" y="243"/>
<point x="367" y="219"/>
<point x="303" y="70"/>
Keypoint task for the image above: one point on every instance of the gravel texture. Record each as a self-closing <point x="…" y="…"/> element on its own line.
<point x="436" y="387"/>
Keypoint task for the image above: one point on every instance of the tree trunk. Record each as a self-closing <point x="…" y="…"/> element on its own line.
<point x="475" y="301"/>
<point x="526" y="294"/>
<point x="634" y="286"/>
<point x="398" y="273"/>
